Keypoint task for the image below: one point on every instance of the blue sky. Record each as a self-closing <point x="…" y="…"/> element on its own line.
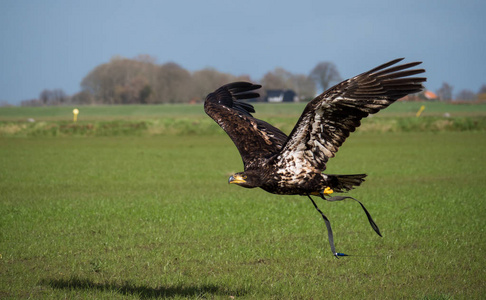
<point x="53" y="44"/>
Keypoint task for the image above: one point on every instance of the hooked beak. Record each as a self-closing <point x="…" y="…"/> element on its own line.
<point x="236" y="179"/>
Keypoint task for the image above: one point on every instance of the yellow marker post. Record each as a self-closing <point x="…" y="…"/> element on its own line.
<point x="75" y="114"/>
<point x="420" y="111"/>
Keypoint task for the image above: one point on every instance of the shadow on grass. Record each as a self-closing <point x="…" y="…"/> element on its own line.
<point x="144" y="292"/>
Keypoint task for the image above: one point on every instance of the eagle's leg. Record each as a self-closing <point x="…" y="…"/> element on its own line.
<point x="329" y="230"/>
<point x="328" y="191"/>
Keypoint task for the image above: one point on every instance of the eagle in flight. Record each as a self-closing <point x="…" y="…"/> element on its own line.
<point x="294" y="164"/>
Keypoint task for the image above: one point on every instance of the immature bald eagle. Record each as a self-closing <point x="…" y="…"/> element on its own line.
<point x="294" y="165"/>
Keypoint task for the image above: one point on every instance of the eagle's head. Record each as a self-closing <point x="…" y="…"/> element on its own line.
<point x="248" y="179"/>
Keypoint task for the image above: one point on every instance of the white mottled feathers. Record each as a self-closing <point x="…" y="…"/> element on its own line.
<point x="328" y="119"/>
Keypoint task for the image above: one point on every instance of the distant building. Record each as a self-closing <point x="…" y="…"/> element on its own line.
<point x="422" y="96"/>
<point x="281" y="96"/>
<point x="429" y="95"/>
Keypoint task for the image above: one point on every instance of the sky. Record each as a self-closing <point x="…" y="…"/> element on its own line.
<point x="53" y="44"/>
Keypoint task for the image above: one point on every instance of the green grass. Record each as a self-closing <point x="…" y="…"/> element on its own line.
<point x="152" y="216"/>
<point x="154" y="120"/>
<point x="264" y="110"/>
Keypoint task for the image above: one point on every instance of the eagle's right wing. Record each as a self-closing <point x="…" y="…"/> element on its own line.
<point x="328" y="119"/>
<point x="255" y="139"/>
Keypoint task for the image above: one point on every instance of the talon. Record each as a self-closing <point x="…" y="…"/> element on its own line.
<point x="328" y="191"/>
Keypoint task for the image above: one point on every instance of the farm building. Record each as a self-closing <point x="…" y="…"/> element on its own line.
<point x="422" y="96"/>
<point x="281" y="96"/>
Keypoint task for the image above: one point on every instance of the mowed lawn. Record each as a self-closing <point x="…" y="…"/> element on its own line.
<point x="137" y="112"/>
<point x="153" y="216"/>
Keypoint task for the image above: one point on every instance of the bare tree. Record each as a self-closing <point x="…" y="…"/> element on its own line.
<point x="445" y="92"/>
<point x="83" y="97"/>
<point x="482" y="89"/>
<point x="122" y="80"/>
<point x="209" y="79"/>
<point x="59" y="97"/>
<point x="31" y="102"/>
<point x="280" y="78"/>
<point x="146" y="58"/>
<point x="133" y="90"/>
<point x="325" y="74"/>
<point x="466" y="95"/>
<point x="5" y="103"/>
<point x="45" y="96"/>
<point x="482" y="93"/>
<point x="173" y="84"/>
<point x="53" y="97"/>
<point x="304" y="86"/>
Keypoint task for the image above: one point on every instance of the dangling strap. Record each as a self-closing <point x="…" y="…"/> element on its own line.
<point x="329" y="230"/>
<point x="370" y="219"/>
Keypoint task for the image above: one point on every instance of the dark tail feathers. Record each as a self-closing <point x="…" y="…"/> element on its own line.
<point x="344" y="183"/>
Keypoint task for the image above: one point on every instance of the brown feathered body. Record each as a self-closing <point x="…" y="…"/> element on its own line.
<point x="294" y="164"/>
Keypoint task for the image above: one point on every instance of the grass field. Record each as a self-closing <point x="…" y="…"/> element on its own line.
<point x="182" y="110"/>
<point x="128" y="215"/>
<point x="152" y="120"/>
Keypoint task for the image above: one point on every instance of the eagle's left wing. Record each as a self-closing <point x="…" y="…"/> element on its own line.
<point x="255" y="139"/>
<point x="328" y="119"/>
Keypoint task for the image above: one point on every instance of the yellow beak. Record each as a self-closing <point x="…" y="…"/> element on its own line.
<point x="236" y="179"/>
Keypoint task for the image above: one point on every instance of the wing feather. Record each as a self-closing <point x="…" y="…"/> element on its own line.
<point x="328" y="119"/>
<point x="254" y="138"/>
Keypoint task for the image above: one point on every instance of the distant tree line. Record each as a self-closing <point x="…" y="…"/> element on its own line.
<point x="142" y="81"/>
<point x="445" y="93"/>
<point x="49" y="97"/>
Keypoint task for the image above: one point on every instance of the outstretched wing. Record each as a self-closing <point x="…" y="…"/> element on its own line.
<point x="328" y="119"/>
<point x="255" y="139"/>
